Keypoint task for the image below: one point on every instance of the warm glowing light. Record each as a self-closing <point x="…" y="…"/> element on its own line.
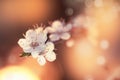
<point x="27" y="10"/>
<point x="17" y="73"/>
<point x="79" y="21"/>
<point x="98" y="3"/>
<point x="84" y="48"/>
<point x="70" y="43"/>
<point x="89" y="77"/>
<point x="104" y="44"/>
<point x="83" y="57"/>
<point x="101" y="60"/>
<point x="115" y="75"/>
<point x="100" y="21"/>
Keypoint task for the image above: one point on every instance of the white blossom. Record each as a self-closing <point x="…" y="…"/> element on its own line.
<point x="47" y="54"/>
<point x="41" y="60"/>
<point x="34" y="40"/>
<point x="59" y="31"/>
<point x="39" y="46"/>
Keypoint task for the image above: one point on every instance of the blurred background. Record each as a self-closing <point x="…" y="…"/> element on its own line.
<point x="92" y="53"/>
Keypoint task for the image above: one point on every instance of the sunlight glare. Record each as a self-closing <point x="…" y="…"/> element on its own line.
<point x="17" y="73"/>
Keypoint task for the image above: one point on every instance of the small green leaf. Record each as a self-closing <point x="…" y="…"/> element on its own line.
<point x="25" y="54"/>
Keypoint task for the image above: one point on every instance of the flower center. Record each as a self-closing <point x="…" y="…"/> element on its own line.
<point x="44" y="52"/>
<point x="34" y="44"/>
<point x="59" y="32"/>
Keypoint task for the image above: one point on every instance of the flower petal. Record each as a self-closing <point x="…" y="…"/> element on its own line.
<point x="23" y="43"/>
<point x="65" y="36"/>
<point x="54" y="37"/>
<point x="57" y="25"/>
<point x="35" y="54"/>
<point x="39" y="29"/>
<point x="49" y="47"/>
<point x="40" y="48"/>
<point x="67" y="28"/>
<point x="31" y="35"/>
<point x="50" y="56"/>
<point x="28" y="49"/>
<point x="50" y="29"/>
<point x="41" y="60"/>
<point x="42" y="37"/>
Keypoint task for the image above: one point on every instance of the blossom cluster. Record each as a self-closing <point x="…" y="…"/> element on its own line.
<point x="39" y="42"/>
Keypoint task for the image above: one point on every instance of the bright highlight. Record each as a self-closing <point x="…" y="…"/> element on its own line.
<point x="17" y="73"/>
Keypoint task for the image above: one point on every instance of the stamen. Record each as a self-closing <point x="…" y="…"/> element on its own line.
<point x="34" y="44"/>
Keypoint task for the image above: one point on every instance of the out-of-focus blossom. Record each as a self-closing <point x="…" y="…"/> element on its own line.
<point x="98" y="3"/>
<point x="69" y="11"/>
<point x="70" y="43"/>
<point x="115" y="75"/>
<point x="88" y="3"/>
<point x="34" y="40"/>
<point x="104" y="44"/>
<point x="84" y="21"/>
<point x="59" y="31"/>
<point x="101" y="60"/>
<point x="79" y="21"/>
